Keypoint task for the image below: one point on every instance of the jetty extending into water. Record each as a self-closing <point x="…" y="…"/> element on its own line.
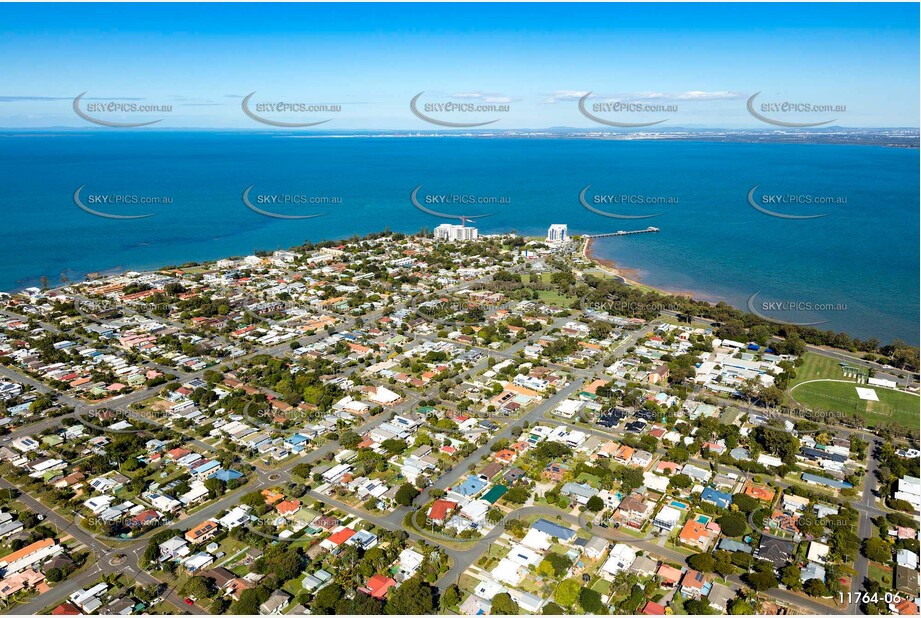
<point x="648" y="230"/>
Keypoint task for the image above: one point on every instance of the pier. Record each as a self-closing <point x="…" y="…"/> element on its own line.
<point x="648" y="230"/>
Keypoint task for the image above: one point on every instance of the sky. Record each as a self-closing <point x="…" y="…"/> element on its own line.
<point x="530" y="64"/>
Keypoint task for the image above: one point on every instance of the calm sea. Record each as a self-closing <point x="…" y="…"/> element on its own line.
<point x="862" y="259"/>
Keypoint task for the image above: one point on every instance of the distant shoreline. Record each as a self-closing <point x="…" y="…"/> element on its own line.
<point x="896" y="137"/>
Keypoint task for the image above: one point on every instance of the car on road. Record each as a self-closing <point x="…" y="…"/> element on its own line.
<point x="189" y="601"/>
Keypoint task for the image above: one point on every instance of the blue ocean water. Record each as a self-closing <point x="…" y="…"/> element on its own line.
<point x="864" y="255"/>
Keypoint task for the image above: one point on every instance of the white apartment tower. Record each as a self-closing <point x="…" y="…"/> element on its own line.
<point x="557" y="233"/>
<point x="460" y="233"/>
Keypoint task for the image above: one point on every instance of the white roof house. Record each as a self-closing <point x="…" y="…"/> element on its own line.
<point x="235" y="518"/>
<point x="907" y="558"/>
<point x="509" y="572"/>
<point x="475" y="510"/>
<point x="384" y="396"/>
<point x="667" y="518"/>
<point x="818" y="552"/>
<point x="524" y="556"/>
<point x="410" y="561"/>
<point x="622" y="556"/>
<point x="536" y="539"/>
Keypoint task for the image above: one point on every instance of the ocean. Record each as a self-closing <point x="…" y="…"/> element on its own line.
<point x="855" y="269"/>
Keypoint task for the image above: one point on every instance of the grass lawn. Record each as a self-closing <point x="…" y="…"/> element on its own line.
<point x="893" y="406"/>
<point x="818" y="367"/>
<point x="677" y="604"/>
<point x="293" y="586"/>
<point x="467" y="583"/>
<point x="552" y="297"/>
<point x="602" y="586"/>
<point x="591" y="479"/>
<point x="631" y="532"/>
<point x="683" y="550"/>
<point x="880" y="573"/>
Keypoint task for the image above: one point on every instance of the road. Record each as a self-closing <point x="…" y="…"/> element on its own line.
<point x="866" y="506"/>
<point x="461" y="558"/>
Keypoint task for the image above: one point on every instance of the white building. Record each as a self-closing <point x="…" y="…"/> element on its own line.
<point x="557" y="233"/>
<point x="460" y="233"/>
<point x="909" y="489"/>
<point x="667" y="518"/>
<point x="622" y="556"/>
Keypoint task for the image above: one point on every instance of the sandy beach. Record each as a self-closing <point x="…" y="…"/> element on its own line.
<point x="631" y="276"/>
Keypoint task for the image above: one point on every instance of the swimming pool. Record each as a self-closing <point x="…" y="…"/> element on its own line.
<point x="679" y="505"/>
<point x="703" y="519"/>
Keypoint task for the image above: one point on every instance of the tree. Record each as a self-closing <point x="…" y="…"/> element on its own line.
<point x="517" y="495"/>
<point x="503" y="605"/>
<point x="761" y="581"/>
<point x="554" y="565"/>
<point x="815" y="588"/>
<point x="552" y="609"/>
<point x="361" y="604"/>
<point x="680" y="481"/>
<point x="393" y="446"/>
<point x="723" y="564"/>
<point x="567" y="593"/>
<point x="698" y="607"/>
<point x="594" y="504"/>
<point x="54" y="575"/>
<point x="406" y="494"/>
<point x="844" y="544"/>
<point x="877" y="550"/>
<point x="789" y="577"/>
<point x="450" y="597"/>
<point x="350" y="439"/>
<point x="702" y="562"/>
<point x="414" y="597"/>
<point x="733" y="523"/>
<point x="741" y="607"/>
<point x="248" y="603"/>
<point x="777" y="442"/>
<point x="197" y="586"/>
<point x="327" y="598"/>
<point x="302" y="470"/>
<point x="590" y="600"/>
<point x="746" y="503"/>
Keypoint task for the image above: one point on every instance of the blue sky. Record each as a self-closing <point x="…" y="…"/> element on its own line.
<point x="699" y="62"/>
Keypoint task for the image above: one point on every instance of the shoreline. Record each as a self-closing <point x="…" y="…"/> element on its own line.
<point x="630" y="276"/>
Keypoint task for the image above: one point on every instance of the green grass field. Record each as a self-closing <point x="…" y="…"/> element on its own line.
<point x="818" y="367"/>
<point x="880" y="573"/>
<point x="552" y="297"/>
<point x="893" y="406"/>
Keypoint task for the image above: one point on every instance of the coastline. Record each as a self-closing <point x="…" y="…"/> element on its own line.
<point x="631" y="276"/>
